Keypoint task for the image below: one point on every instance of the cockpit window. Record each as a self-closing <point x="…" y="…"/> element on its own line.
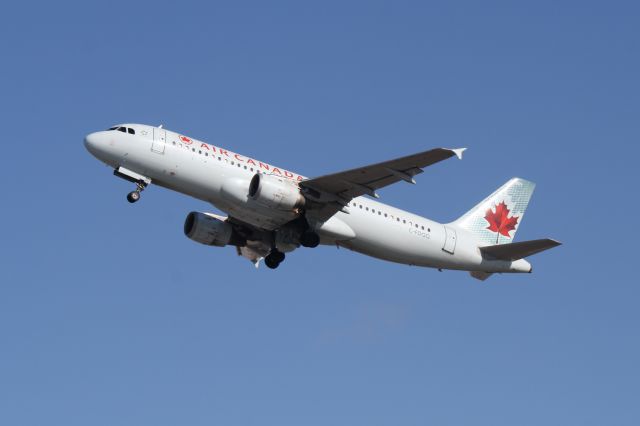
<point x="123" y="129"/>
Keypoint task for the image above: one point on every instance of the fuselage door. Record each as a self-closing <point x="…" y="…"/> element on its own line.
<point x="159" y="137"/>
<point x="449" y="240"/>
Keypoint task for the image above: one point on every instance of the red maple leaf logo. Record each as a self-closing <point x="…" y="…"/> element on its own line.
<point x="185" y="139"/>
<point x="500" y="222"/>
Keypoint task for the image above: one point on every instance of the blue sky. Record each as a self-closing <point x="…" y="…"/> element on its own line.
<point x="110" y="316"/>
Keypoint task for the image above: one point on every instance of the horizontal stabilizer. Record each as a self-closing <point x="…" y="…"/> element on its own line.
<point x="515" y="251"/>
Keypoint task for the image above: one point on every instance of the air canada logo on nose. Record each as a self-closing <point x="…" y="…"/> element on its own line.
<point x="186" y="139"/>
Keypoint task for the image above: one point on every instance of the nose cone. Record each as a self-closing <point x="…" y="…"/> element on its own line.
<point x="100" y="145"/>
<point x="105" y="147"/>
<point x="92" y="142"/>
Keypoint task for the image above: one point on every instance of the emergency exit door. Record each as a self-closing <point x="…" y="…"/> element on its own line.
<point x="159" y="136"/>
<point x="449" y="240"/>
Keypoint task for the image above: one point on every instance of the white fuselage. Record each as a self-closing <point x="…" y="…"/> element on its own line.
<point x="202" y="170"/>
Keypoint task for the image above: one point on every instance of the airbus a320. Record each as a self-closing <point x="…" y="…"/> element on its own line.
<point x="272" y="211"/>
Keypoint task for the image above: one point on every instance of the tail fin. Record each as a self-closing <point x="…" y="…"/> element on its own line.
<point x="495" y="220"/>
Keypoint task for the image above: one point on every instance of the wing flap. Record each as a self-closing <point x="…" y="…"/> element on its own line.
<point x="520" y="250"/>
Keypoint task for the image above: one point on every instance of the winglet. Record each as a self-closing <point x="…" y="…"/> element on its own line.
<point x="458" y="152"/>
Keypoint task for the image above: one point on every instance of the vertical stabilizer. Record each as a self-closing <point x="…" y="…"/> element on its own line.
<point x="496" y="219"/>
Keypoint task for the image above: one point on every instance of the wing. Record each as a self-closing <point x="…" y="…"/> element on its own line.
<point x="332" y="193"/>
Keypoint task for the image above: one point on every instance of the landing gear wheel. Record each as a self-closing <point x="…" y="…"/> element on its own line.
<point x="309" y="239"/>
<point x="279" y="256"/>
<point x="274" y="259"/>
<point x="271" y="262"/>
<point x="133" y="196"/>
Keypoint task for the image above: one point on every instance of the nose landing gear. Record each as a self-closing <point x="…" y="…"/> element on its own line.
<point x="140" y="181"/>
<point x="134" y="196"/>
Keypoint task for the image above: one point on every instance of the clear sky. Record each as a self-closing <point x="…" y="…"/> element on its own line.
<point x="110" y="316"/>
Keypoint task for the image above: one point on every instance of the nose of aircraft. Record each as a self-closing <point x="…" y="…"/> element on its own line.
<point x="98" y="144"/>
<point x="91" y="142"/>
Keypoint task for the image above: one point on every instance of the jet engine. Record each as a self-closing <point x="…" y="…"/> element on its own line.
<point x="275" y="192"/>
<point x="209" y="229"/>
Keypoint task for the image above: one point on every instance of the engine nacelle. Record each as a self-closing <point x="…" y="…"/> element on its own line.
<point x="210" y="230"/>
<point x="275" y="192"/>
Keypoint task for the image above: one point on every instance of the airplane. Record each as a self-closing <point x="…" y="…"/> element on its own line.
<point x="272" y="211"/>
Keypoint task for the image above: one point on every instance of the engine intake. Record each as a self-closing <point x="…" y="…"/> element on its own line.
<point x="275" y="192"/>
<point x="206" y="228"/>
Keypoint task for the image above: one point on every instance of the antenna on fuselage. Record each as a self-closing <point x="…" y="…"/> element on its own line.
<point x="160" y="126"/>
